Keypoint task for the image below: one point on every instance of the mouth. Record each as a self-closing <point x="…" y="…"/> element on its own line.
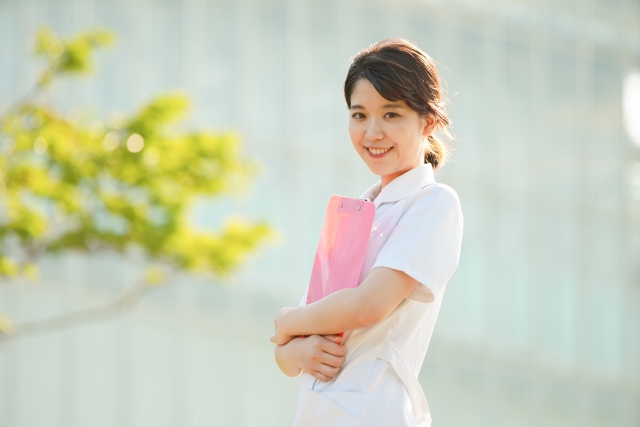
<point x="378" y="152"/>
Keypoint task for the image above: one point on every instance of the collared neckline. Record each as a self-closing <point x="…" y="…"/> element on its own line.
<point x="402" y="186"/>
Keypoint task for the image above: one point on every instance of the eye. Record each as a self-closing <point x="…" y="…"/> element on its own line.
<point x="357" y="116"/>
<point x="391" y="115"/>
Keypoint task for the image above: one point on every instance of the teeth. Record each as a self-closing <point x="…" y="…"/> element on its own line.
<point x="379" y="150"/>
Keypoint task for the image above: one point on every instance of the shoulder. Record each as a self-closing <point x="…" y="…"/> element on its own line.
<point x="436" y="196"/>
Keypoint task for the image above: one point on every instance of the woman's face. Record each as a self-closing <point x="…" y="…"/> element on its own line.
<point x="388" y="135"/>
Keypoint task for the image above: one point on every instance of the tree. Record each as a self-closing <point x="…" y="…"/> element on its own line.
<point x="90" y="185"/>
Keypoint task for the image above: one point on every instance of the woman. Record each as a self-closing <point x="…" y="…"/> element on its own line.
<point x="395" y="104"/>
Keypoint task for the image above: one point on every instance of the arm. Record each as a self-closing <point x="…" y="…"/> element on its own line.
<point x="285" y="361"/>
<point x="347" y="309"/>
<point x="319" y="356"/>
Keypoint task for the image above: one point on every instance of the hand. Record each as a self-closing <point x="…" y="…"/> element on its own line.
<point x="280" y="337"/>
<point x="320" y="356"/>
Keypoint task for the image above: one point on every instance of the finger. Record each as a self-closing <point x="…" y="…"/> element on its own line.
<point x="331" y="337"/>
<point x="322" y="377"/>
<point x="331" y="360"/>
<point x="334" y="338"/>
<point x="327" y="370"/>
<point x="278" y="340"/>
<point x="282" y="340"/>
<point x="332" y="348"/>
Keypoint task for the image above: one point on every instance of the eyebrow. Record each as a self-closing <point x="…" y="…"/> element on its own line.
<point x="360" y="107"/>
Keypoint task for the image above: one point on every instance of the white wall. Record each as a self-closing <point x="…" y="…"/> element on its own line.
<point x="540" y="324"/>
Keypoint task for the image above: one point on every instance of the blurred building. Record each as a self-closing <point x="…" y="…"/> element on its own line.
<point x="540" y="324"/>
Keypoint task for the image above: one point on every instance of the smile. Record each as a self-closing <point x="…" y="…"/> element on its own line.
<point x="378" y="152"/>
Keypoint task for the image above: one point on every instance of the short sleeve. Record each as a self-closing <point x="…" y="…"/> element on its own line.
<point x="303" y="301"/>
<point x="425" y="244"/>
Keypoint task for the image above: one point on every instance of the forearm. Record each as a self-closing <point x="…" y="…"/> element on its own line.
<point x="285" y="361"/>
<point x="341" y="311"/>
<point x="348" y="309"/>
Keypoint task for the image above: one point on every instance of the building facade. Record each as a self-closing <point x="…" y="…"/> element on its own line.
<point x="540" y="325"/>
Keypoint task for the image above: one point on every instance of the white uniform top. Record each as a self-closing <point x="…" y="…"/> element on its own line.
<point x="417" y="230"/>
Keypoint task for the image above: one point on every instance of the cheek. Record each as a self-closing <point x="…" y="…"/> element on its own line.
<point x="405" y="136"/>
<point x="355" y="133"/>
<point x="398" y="133"/>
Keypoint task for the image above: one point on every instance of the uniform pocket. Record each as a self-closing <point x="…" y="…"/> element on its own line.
<point x="328" y="409"/>
<point x="391" y="353"/>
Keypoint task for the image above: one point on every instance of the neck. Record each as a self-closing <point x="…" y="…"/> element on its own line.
<point x="386" y="179"/>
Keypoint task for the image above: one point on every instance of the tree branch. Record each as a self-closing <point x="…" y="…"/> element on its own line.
<point x="31" y="94"/>
<point x="124" y="303"/>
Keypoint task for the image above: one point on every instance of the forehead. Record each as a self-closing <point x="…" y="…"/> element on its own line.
<point x="364" y="95"/>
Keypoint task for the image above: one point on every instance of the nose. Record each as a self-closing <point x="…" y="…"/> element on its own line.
<point x="373" y="132"/>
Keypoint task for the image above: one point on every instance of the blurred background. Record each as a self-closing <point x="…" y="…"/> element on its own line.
<point x="540" y="324"/>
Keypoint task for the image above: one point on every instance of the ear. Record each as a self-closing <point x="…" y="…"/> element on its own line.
<point x="429" y="124"/>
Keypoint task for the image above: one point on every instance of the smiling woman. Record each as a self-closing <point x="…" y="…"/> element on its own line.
<point x="395" y="104"/>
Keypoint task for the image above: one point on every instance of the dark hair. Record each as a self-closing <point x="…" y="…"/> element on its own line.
<point x="401" y="71"/>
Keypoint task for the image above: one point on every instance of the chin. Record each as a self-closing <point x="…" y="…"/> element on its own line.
<point x="379" y="170"/>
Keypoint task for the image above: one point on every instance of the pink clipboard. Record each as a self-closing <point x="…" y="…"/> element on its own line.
<point x="342" y="247"/>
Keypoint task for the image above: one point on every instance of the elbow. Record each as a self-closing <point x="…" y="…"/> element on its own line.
<point x="292" y="372"/>
<point x="284" y="364"/>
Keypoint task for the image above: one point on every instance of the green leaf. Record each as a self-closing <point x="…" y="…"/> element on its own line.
<point x="7" y="267"/>
<point x="71" y="56"/>
<point x="83" y="184"/>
